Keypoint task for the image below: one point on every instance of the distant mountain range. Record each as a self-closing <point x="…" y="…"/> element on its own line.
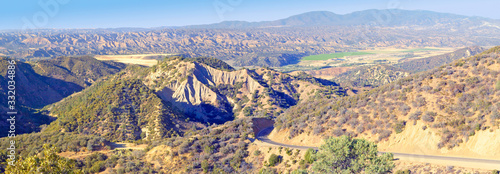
<point x="271" y="43"/>
<point x="389" y="18"/>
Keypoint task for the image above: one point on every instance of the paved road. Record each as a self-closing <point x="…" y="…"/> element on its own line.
<point x="262" y="136"/>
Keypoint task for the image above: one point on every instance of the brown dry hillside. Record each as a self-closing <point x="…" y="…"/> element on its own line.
<point x="443" y="110"/>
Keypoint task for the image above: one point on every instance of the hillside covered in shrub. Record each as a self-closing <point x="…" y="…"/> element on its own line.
<point x="38" y="84"/>
<point x="455" y="101"/>
<point x="118" y="108"/>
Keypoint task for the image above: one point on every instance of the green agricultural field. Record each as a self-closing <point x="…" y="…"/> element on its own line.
<point x="334" y="55"/>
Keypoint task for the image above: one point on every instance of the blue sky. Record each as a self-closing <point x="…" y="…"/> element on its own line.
<point x="128" y="13"/>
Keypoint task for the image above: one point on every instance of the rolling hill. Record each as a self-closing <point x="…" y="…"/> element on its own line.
<point x="41" y="83"/>
<point x="47" y="81"/>
<point x="118" y="109"/>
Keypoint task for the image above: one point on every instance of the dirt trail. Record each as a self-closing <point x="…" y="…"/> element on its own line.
<point x="117" y="146"/>
<point x="128" y="146"/>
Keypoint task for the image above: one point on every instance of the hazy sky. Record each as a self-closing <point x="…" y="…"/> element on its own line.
<point x="16" y="14"/>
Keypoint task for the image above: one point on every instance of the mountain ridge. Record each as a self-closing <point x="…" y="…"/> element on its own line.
<point x="394" y="17"/>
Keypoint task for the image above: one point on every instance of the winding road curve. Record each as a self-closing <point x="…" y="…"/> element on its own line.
<point x="443" y="160"/>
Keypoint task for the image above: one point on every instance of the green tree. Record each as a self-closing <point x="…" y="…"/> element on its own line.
<point x="347" y="155"/>
<point x="274" y="159"/>
<point x="309" y="156"/>
<point x="399" y="126"/>
<point x="45" y="162"/>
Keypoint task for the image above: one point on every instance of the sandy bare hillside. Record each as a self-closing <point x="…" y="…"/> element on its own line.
<point x="140" y="59"/>
<point x="418" y="141"/>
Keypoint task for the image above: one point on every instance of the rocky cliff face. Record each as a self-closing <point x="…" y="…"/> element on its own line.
<point x="213" y="95"/>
